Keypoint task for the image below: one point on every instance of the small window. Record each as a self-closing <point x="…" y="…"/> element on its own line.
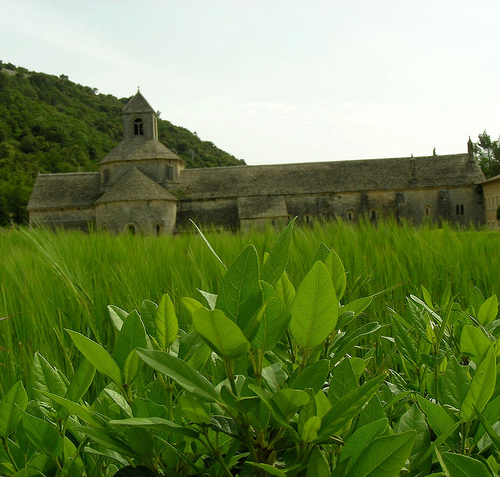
<point x="159" y="228"/>
<point x="138" y="127"/>
<point x="130" y="228"/>
<point x="105" y="176"/>
<point x="460" y="209"/>
<point x="350" y="215"/>
<point x="374" y="214"/>
<point x="308" y="219"/>
<point x="427" y="210"/>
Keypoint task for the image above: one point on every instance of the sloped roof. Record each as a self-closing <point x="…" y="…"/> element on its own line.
<point x="54" y="191"/>
<point x="138" y="104"/>
<point x="135" y="186"/>
<point x="138" y="150"/>
<point x="491" y="180"/>
<point x="331" y="177"/>
<point x="261" y="207"/>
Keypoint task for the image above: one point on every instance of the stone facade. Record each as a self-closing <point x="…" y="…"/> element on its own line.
<point x="143" y="187"/>
<point x="491" y="190"/>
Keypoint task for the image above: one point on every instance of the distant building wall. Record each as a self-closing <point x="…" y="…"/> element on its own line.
<point x="149" y="217"/>
<point x="71" y="218"/>
<point x="218" y="212"/>
<point x="491" y="189"/>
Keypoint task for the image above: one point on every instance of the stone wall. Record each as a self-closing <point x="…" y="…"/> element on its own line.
<point x="491" y="189"/>
<point x="149" y="217"/>
<point x="72" y="218"/>
<point x="221" y="213"/>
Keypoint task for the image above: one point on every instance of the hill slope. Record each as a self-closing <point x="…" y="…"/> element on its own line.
<point x="50" y="124"/>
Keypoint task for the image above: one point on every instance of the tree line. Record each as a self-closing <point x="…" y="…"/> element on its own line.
<point x="49" y="124"/>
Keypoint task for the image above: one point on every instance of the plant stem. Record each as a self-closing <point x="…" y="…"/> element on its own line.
<point x="7" y="450"/>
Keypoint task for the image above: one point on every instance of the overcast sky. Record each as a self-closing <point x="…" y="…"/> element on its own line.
<point x="281" y="81"/>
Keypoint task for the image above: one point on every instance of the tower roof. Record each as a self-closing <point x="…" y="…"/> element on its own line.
<point x="138" y="104"/>
<point x="135" y="186"/>
<point x="139" y="151"/>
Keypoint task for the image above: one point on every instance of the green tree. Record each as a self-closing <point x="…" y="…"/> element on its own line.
<point x="487" y="152"/>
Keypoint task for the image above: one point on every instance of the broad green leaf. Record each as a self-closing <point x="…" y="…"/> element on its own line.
<point x="220" y="333"/>
<point x="191" y="304"/>
<point x="361" y="437"/>
<point x="322" y="403"/>
<point x="270" y="404"/>
<point x="357" y="306"/>
<point x="11" y="407"/>
<point x="43" y="435"/>
<point x="384" y="456"/>
<point x="335" y="266"/>
<point x="275" y="376"/>
<point x="107" y="441"/>
<point x="117" y="315"/>
<point x="373" y="411"/>
<point x="314" y="308"/>
<point x="491" y="414"/>
<point x="140" y="440"/>
<point x="193" y="410"/>
<point x="309" y="432"/>
<point x="455" y="385"/>
<point x="474" y="343"/>
<point x="481" y="387"/>
<point x="487" y="427"/>
<point x="488" y="311"/>
<point x="46" y="378"/>
<point x="131" y="368"/>
<point x="148" y="312"/>
<point x="81" y="381"/>
<point x="439" y="420"/>
<point x="183" y="374"/>
<point x="274" y="321"/>
<point x="318" y="465"/>
<point x="278" y="258"/>
<point x="240" y="296"/>
<point x="348" y="407"/>
<point x="166" y="323"/>
<point x="285" y="290"/>
<point x="97" y="356"/>
<point x="76" y="409"/>
<point x="415" y="419"/>
<point x="119" y="400"/>
<point x="459" y="465"/>
<point x="132" y="335"/>
<point x="313" y="376"/>
<point x="271" y="470"/>
<point x="342" y="382"/>
<point x="155" y="422"/>
<point x="322" y="252"/>
<point x="290" y="401"/>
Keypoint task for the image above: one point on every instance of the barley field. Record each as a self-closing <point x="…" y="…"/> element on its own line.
<point x="50" y="282"/>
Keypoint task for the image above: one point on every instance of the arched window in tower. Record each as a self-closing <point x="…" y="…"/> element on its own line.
<point x="427" y="210"/>
<point x="130" y="228"/>
<point x="138" y="127"/>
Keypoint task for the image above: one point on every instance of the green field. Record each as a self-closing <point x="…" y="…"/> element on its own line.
<point x="49" y="282"/>
<point x="399" y="378"/>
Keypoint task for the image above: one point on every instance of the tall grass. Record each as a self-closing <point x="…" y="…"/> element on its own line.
<point x="49" y="282"/>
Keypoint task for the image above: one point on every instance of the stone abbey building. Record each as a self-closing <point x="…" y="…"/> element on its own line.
<point x="143" y="187"/>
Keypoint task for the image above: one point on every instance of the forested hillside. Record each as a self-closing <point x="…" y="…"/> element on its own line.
<point x="50" y="124"/>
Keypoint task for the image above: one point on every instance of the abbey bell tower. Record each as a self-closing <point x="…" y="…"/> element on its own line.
<point x="139" y="120"/>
